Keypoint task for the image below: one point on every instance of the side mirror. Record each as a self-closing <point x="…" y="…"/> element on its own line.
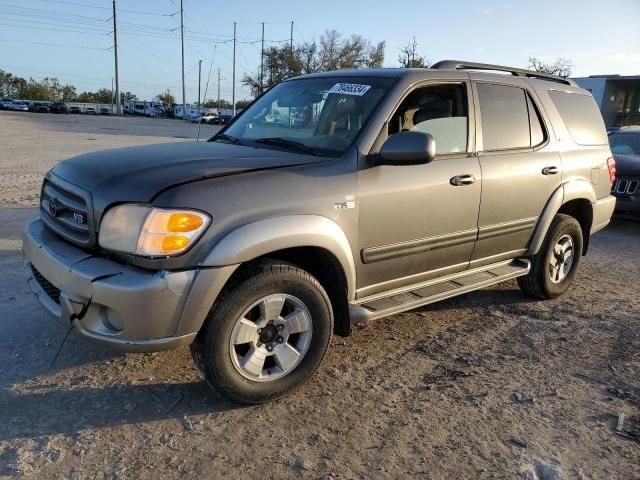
<point x="408" y="148"/>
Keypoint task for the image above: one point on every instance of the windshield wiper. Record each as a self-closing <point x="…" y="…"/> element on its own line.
<point x="291" y="144"/>
<point x="228" y="138"/>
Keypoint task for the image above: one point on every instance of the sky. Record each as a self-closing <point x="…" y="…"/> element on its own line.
<point x="72" y="40"/>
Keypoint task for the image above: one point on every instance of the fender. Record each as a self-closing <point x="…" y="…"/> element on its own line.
<point x="571" y="190"/>
<point x="277" y="233"/>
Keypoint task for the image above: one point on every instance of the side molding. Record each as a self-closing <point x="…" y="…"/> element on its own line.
<point x="271" y="234"/>
<point x="572" y="190"/>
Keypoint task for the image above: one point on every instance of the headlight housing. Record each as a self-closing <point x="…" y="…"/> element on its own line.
<point x="149" y="231"/>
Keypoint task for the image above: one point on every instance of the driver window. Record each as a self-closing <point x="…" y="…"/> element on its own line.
<point x="440" y="110"/>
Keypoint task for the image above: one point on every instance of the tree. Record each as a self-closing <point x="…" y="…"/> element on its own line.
<point x="214" y="104"/>
<point x="166" y="97"/>
<point x="242" y="104"/>
<point x="68" y="93"/>
<point x="126" y="96"/>
<point x="561" y="66"/>
<point x="330" y="52"/>
<point x="409" y="57"/>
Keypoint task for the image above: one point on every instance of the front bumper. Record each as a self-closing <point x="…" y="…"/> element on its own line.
<point x="122" y="307"/>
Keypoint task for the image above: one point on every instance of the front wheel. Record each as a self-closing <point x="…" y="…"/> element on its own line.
<point x="554" y="266"/>
<point x="266" y="335"/>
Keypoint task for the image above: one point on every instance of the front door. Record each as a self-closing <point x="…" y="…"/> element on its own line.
<point x="418" y="222"/>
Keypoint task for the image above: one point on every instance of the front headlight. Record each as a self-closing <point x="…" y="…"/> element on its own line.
<point x="151" y="232"/>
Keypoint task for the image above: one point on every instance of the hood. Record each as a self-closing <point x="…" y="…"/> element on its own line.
<point x="627" y="164"/>
<point x="137" y="174"/>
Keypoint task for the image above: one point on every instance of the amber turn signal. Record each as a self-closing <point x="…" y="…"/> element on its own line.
<point x="184" y="222"/>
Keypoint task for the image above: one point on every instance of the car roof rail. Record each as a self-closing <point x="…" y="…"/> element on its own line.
<point x="519" y="72"/>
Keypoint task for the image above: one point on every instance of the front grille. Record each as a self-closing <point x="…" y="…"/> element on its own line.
<point x="66" y="209"/>
<point x="51" y="290"/>
<point x="626" y="186"/>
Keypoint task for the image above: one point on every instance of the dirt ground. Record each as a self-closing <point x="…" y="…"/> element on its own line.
<point x="487" y="385"/>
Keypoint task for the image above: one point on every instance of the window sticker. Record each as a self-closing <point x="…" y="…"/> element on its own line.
<point x="350" y="89"/>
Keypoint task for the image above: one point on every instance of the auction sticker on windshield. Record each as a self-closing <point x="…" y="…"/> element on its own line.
<point x="350" y="89"/>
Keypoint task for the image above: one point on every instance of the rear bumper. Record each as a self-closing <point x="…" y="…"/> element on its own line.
<point x="119" y="306"/>
<point x="602" y="212"/>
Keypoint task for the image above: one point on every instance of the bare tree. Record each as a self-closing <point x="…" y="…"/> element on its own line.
<point x="330" y="52"/>
<point x="409" y="57"/>
<point x="561" y="66"/>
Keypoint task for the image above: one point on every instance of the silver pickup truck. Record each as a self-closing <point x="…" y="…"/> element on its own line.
<point x="335" y="197"/>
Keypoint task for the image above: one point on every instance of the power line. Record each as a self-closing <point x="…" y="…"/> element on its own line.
<point x="61" y="2"/>
<point x="54" y="44"/>
<point x="54" y="29"/>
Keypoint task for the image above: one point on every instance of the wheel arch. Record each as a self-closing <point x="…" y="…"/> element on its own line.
<point x="311" y="242"/>
<point x="574" y="198"/>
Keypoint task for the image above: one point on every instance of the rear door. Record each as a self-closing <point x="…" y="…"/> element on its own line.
<point x="520" y="164"/>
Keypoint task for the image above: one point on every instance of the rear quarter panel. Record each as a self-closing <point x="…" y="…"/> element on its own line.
<point x="582" y="163"/>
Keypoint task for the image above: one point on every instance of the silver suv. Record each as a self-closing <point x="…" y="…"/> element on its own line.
<point x="335" y="197"/>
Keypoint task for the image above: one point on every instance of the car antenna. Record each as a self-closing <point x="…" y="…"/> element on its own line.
<point x="206" y="88"/>
<point x="60" y="347"/>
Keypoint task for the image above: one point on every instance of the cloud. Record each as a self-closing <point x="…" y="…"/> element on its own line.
<point x="486" y="11"/>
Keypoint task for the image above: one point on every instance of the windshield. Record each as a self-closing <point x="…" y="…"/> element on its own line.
<point x="318" y="116"/>
<point x="625" y="143"/>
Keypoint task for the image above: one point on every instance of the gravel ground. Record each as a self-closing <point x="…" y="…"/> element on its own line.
<point x="487" y="385"/>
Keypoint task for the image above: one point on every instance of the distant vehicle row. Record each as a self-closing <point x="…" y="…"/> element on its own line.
<point x="49" y="107"/>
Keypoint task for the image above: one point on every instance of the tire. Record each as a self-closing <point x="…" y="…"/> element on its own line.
<point x="545" y="281"/>
<point x="247" y="312"/>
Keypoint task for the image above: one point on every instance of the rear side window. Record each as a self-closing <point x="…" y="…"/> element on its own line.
<point x="581" y="117"/>
<point x="537" y="130"/>
<point x="505" y="117"/>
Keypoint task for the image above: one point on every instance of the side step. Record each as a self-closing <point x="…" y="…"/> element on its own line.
<point x="400" y="300"/>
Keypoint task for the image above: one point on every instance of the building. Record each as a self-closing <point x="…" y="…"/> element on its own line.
<point x="618" y="97"/>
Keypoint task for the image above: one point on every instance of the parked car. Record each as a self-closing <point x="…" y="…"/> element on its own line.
<point x="209" y="117"/>
<point x="40" y="107"/>
<point x="404" y="187"/>
<point x="105" y="111"/>
<point x="18" y="106"/>
<point x="6" y="103"/>
<point x="222" y="119"/>
<point x="74" y="109"/>
<point x="59" y="107"/>
<point x="194" y="117"/>
<point x="625" y="145"/>
<point x="90" y="111"/>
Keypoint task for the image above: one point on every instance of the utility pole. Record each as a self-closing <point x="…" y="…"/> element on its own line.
<point x="262" y="62"/>
<point x="112" y="97"/>
<point x="291" y="50"/>
<point x="115" y="51"/>
<point x="199" y="80"/>
<point x="184" y="101"/>
<point x="233" y="80"/>
<point x="218" y="91"/>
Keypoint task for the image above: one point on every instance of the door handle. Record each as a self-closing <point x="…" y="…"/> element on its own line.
<point x="461" y="180"/>
<point x="550" y="170"/>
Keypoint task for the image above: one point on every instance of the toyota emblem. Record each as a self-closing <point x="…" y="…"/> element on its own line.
<point x="53" y="207"/>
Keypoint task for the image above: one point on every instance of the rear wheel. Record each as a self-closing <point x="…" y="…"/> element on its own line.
<point x="554" y="266"/>
<point x="266" y="335"/>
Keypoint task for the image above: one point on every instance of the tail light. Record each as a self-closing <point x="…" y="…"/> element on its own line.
<point x="611" y="164"/>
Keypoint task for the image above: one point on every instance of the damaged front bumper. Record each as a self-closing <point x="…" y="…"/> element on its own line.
<point x="120" y="306"/>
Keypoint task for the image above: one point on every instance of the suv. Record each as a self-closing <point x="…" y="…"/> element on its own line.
<point x="59" y="107"/>
<point x="394" y="188"/>
<point x="625" y="145"/>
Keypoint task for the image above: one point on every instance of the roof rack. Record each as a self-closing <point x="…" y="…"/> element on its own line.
<point x="519" y="72"/>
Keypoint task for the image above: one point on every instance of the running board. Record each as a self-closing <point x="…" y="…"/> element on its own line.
<point x="400" y="300"/>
